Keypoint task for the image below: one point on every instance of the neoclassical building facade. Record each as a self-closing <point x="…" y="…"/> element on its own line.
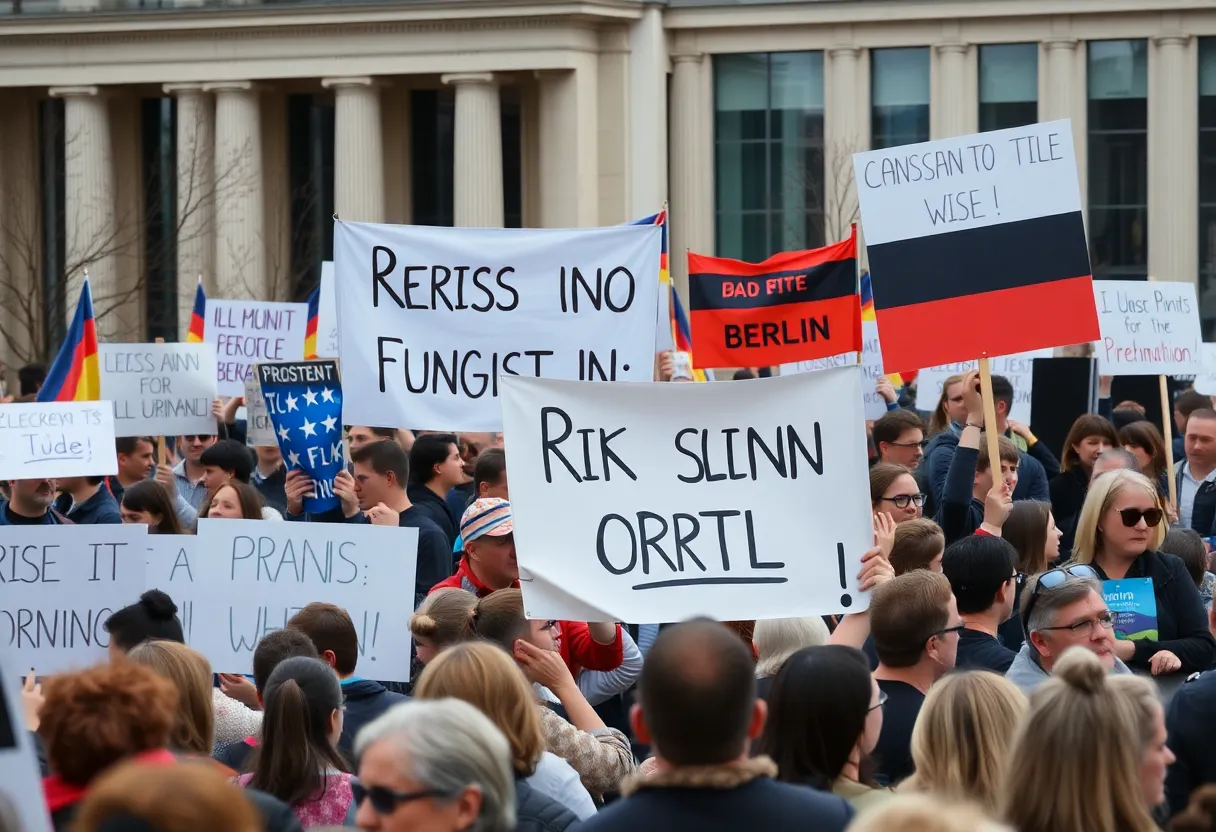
<point x="152" y="142"/>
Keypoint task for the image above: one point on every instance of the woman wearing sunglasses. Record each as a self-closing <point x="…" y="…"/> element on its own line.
<point x="894" y="491"/>
<point x="1119" y="529"/>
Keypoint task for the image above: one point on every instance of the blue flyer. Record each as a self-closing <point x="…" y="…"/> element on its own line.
<point x="304" y="400"/>
<point x="1132" y="602"/>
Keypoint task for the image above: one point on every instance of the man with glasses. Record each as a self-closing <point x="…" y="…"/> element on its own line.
<point x="899" y="437"/>
<point x="915" y="625"/>
<point x="1063" y="608"/>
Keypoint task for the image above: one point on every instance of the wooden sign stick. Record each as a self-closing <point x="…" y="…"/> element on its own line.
<point x="1167" y="426"/>
<point x="161" y="453"/>
<point x="990" y="430"/>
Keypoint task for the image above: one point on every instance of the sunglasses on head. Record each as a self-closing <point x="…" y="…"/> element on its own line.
<point x="1131" y="516"/>
<point x="384" y="800"/>
<point x="1053" y="578"/>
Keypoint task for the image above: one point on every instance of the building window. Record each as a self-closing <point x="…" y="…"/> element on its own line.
<point x="46" y="320"/>
<point x="1207" y="182"/>
<point x="158" y="135"/>
<point x="310" y="165"/>
<point x="768" y="133"/>
<point x="899" y="94"/>
<point x="1009" y="85"/>
<point x="1118" y="158"/>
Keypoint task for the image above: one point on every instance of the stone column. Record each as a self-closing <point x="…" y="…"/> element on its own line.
<point x="1058" y="80"/>
<point x="478" y="150"/>
<point x="92" y="235"/>
<point x="195" y="195"/>
<point x="844" y="134"/>
<point x="647" y="113"/>
<point x="359" y="150"/>
<point x="691" y="223"/>
<point x="950" y="106"/>
<point x="240" y="239"/>
<point x="568" y="147"/>
<point x="1173" y="158"/>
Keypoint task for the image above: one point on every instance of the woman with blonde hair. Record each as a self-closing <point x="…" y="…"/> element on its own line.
<point x="190" y="673"/>
<point x="961" y="741"/>
<point x="488" y="679"/>
<point x="439" y="621"/>
<point x="167" y="798"/>
<point x="1091" y="755"/>
<point x="950" y="407"/>
<point x="924" y="813"/>
<point x="1118" y="533"/>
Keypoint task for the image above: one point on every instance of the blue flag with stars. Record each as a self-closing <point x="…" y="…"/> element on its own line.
<point x="304" y="400"/>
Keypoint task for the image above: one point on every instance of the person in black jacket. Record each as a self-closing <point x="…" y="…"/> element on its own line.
<point x="435" y="469"/>
<point x="1119" y="528"/>
<point x="1088" y="437"/>
<point x="984" y="581"/>
<point x="962" y="507"/>
<point x="1188" y="722"/>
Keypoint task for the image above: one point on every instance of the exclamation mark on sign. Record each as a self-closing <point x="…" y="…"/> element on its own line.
<point x="846" y="600"/>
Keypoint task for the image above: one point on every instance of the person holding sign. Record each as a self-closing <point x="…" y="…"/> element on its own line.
<point x="1118" y="532"/>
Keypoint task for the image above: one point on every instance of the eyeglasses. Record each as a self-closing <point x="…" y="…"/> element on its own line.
<point x="1086" y="628"/>
<point x="1131" y="516"/>
<point x="1051" y="579"/>
<point x="921" y="444"/>
<point x="957" y="628"/>
<point x="902" y="500"/>
<point x="882" y="700"/>
<point x="385" y="801"/>
<point x="202" y="437"/>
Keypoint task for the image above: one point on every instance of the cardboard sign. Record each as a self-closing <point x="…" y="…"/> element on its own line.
<point x="159" y="389"/>
<point x="259" y="432"/>
<point x="169" y="565"/>
<point x="40" y="440"/>
<point x="258" y="574"/>
<point x="667" y="501"/>
<point x="327" y="314"/>
<point x="431" y="318"/>
<point x="1205" y="381"/>
<point x="874" y="406"/>
<point x="967" y="235"/>
<point x="796" y="306"/>
<point x="1148" y="328"/>
<point x="304" y="401"/>
<point x="22" y="804"/>
<point x="1132" y="602"/>
<point x="248" y="332"/>
<point x="1019" y="369"/>
<point x="60" y="584"/>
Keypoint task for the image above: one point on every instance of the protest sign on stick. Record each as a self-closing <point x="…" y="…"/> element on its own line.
<point x="874" y="406"/>
<point x="258" y="574"/>
<point x="60" y="584"/>
<point x="57" y="439"/>
<point x="1018" y="369"/>
<point x="431" y="318"/>
<point x="159" y="389"/>
<point x="665" y="501"/>
<point x="259" y="432"/>
<point x="22" y="804"/>
<point x="304" y="401"/>
<point x="248" y="332"/>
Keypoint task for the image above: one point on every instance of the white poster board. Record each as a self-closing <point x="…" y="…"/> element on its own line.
<point x="660" y="502"/>
<point x="22" y="805"/>
<point x="431" y="318"/>
<point x="43" y="440"/>
<point x="60" y="584"/>
<point x="259" y="432"/>
<point x="327" y="314"/>
<point x="258" y="574"/>
<point x="1148" y="328"/>
<point x="1205" y="382"/>
<point x="1019" y="369"/>
<point x="248" y="332"/>
<point x="874" y="406"/>
<point x="169" y="564"/>
<point x="159" y="389"/>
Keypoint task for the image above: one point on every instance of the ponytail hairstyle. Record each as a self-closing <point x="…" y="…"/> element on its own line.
<point x="442" y="616"/>
<point x="499" y="618"/>
<point x="296" y="751"/>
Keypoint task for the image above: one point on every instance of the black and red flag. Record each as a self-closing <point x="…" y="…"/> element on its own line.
<point x="795" y="306"/>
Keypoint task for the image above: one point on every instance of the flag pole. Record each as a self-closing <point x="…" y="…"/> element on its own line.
<point x="1167" y="431"/>
<point x="990" y="429"/>
<point x="160" y="440"/>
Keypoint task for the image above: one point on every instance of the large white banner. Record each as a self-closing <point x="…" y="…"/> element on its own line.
<point x="170" y="564"/>
<point x="42" y="440"/>
<point x="874" y="406"/>
<point x="1019" y="369"/>
<point x="658" y="502"/>
<point x="248" y="332"/>
<point x="431" y="318"/>
<point x="59" y="584"/>
<point x="1148" y="329"/>
<point x="257" y="574"/>
<point x="159" y="389"/>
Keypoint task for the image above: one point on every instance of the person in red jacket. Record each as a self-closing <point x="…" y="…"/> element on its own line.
<point x="489" y="563"/>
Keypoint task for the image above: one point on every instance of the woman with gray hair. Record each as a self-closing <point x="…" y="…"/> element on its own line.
<point x="443" y="765"/>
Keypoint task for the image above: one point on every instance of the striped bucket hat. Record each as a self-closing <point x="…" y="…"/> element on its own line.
<point x="489" y="515"/>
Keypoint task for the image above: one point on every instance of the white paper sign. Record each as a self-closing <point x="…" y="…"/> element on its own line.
<point x="159" y="389"/>
<point x="327" y="314"/>
<point x="60" y="584"/>
<point x="258" y="574"/>
<point x="431" y="318"/>
<point x="1019" y="369"/>
<point x="1205" y="382"/>
<point x="169" y="562"/>
<point x="41" y="440"/>
<point x="248" y="332"/>
<point x="874" y="406"/>
<point x="22" y="804"/>
<point x="259" y="432"/>
<point x="1148" y="328"/>
<point x="660" y="502"/>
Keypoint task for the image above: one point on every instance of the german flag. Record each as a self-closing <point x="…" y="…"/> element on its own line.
<point x="310" y="329"/>
<point x="75" y="376"/>
<point x="795" y="306"/>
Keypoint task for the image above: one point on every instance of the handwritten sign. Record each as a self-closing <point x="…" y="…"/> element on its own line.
<point x="1019" y="369"/>
<point x="248" y="332"/>
<point x="257" y="574"/>
<point x="431" y="318"/>
<point x="42" y="440"/>
<point x="327" y="314"/>
<point x="169" y="564"/>
<point x="159" y="389"/>
<point x="874" y="406"/>
<point x="1205" y="382"/>
<point x="59" y="584"/>
<point x="22" y="804"/>
<point x="666" y="501"/>
<point x="1147" y="328"/>
<point x="304" y="401"/>
<point x="259" y="432"/>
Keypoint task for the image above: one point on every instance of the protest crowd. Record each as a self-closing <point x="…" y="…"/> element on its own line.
<point x="986" y="684"/>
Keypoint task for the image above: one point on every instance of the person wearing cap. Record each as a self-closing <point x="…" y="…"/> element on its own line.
<point x="488" y="563"/>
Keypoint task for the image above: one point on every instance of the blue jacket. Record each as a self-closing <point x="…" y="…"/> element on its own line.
<point x="51" y="518"/>
<point x="1032" y="476"/>
<point x="100" y="509"/>
<point x="365" y="701"/>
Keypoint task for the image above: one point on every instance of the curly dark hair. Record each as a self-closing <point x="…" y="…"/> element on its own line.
<point x="92" y="719"/>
